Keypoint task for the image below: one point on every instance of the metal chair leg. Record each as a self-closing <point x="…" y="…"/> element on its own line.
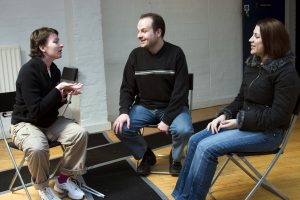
<point x="16" y="175"/>
<point x="262" y="179"/>
<point x="80" y="182"/>
<point x="91" y="190"/>
<point x="14" y="162"/>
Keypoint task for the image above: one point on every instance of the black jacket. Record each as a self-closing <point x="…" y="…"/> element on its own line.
<point x="37" y="99"/>
<point x="267" y="95"/>
<point x="157" y="81"/>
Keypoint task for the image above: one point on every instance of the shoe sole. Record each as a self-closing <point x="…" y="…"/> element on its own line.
<point x="58" y="189"/>
<point x="64" y="192"/>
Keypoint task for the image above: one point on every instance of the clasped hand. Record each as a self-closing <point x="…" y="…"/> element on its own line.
<point x="66" y="89"/>
<point x="69" y="88"/>
<point x="220" y="122"/>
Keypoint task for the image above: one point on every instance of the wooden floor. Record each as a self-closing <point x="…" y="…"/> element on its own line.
<point x="233" y="184"/>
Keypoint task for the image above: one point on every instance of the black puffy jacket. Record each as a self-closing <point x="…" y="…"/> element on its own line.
<point x="267" y="96"/>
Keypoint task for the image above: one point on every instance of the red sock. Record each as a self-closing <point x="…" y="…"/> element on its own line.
<point x="62" y="178"/>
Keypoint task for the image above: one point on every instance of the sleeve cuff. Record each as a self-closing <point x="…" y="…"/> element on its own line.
<point x="227" y="113"/>
<point x="240" y="118"/>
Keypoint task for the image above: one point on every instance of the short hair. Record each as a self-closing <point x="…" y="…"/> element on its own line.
<point x="39" y="38"/>
<point x="275" y="38"/>
<point x="157" y="22"/>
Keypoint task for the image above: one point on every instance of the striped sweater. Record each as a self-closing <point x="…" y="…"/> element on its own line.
<point x="157" y="81"/>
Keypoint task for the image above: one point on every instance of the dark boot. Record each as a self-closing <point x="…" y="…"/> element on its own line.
<point x="148" y="160"/>
<point x="174" y="166"/>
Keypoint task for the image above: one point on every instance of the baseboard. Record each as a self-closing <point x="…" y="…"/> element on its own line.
<point x="97" y="127"/>
<point x="217" y="102"/>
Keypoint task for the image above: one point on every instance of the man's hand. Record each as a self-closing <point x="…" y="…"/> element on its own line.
<point x="118" y="124"/>
<point x="163" y="127"/>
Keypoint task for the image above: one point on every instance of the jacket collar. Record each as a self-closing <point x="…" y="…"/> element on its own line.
<point x="271" y="65"/>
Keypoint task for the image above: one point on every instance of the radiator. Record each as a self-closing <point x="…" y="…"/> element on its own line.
<point x="10" y="64"/>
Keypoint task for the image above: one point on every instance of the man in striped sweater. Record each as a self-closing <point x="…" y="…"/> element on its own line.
<point x="154" y="90"/>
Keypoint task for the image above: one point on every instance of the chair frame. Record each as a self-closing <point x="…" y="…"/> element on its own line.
<point x="69" y="75"/>
<point x="260" y="178"/>
<point x="191" y="87"/>
<point x="10" y="97"/>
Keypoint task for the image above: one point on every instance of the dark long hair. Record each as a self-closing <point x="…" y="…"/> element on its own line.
<point x="275" y="37"/>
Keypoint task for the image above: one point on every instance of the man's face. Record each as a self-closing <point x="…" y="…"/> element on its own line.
<point x="146" y="35"/>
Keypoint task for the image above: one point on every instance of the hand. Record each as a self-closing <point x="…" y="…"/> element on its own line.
<point x="229" y="124"/>
<point x="74" y="89"/>
<point x="163" y="127"/>
<point x="118" y="124"/>
<point x="214" y="125"/>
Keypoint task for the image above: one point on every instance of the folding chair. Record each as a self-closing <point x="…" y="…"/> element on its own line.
<point x="69" y="75"/>
<point x="7" y="102"/>
<point x="260" y="179"/>
<point x="191" y="87"/>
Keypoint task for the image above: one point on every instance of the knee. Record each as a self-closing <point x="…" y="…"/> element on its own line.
<point x="207" y="149"/>
<point x="82" y="134"/>
<point x="183" y="131"/>
<point x="38" y="152"/>
<point x="193" y="140"/>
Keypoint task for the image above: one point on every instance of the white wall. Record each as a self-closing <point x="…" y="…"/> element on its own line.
<point x="79" y="26"/>
<point x="209" y="32"/>
<point x="99" y="35"/>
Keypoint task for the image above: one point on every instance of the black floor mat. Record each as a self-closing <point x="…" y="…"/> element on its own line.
<point x="119" y="181"/>
<point x="119" y="150"/>
<point x="96" y="139"/>
<point x="6" y="175"/>
<point x="101" y="154"/>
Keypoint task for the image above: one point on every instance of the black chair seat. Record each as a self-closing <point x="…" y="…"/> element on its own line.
<point x="254" y="153"/>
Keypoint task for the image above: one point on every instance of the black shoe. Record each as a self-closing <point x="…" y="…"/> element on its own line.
<point x="148" y="160"/>
<point x="174" y="166"/>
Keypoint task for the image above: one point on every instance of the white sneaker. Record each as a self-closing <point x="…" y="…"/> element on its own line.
<point x="48" y="194"/>
<point x="73" y="191"/>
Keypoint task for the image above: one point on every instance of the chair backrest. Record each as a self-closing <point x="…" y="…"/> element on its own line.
<point x="191" y="87"/>
<point x="69" y="74"/>
<point x="294" y="117"/>
<point x="6" y="106"/>
<point x="7" y="101"/>
<point x="191" y="81"/>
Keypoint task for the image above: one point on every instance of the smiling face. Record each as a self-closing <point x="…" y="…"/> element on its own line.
<point x="257" y="47"/>
<point x="147" y="36"/>
<point x="53" y="48"/>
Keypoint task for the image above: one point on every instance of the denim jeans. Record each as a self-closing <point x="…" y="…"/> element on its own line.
<point x="204" y="148"/>
<point x="180" y="129"/>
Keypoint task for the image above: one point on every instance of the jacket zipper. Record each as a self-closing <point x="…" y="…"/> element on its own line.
<point x="256" y="77"/>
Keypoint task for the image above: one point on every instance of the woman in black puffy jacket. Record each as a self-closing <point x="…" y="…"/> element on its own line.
<point x="255" y="120"/>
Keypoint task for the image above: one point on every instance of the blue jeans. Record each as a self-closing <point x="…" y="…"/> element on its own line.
<point x="204" y="148"/>
<point x="180" y="129"/>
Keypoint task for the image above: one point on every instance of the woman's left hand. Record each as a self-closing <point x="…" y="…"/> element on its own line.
<point x="229" y="124"/>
